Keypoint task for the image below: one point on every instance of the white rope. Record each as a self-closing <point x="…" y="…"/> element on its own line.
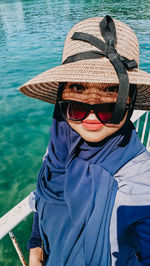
<point x="148" y="142"/>
<point x="144" y="128"/>
<point x="137" y="125"/>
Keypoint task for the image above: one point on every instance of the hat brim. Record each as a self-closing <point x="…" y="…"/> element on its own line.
<point x="45" y="85"/>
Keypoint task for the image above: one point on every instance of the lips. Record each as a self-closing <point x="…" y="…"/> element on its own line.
<point x="91" y="124"/>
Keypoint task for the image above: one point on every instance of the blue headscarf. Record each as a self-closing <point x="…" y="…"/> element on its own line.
<point x="76" y="191"/>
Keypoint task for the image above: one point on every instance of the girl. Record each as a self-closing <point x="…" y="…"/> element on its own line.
<point x="92" y="197"/>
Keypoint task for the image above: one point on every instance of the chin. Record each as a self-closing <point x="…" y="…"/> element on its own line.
<point x="89" y="137"/>
<point x="92" y="135"/>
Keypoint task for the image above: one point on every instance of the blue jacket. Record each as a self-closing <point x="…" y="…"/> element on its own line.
<point x="130" y="221"/>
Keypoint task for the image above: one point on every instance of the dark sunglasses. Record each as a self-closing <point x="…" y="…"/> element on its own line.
<point x="78" y="111"/>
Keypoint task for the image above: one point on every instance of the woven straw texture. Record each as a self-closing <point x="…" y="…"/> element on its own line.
<point x="45" y="85"/>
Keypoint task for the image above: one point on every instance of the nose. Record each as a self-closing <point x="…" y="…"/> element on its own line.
<point x="92" y="116"/>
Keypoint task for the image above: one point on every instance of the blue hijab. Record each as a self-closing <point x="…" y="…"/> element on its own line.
<point x="76" y="191"/>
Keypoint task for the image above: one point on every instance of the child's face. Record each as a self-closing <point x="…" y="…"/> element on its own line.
<point x="91" y="129"/>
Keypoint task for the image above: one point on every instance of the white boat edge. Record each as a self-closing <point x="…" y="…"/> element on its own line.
<point x="12" y="218"/>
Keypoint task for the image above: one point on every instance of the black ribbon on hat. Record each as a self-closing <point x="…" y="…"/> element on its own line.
<point x="120" y="63"/>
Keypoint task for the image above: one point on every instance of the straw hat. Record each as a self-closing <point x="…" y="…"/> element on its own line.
<point x="96" y="70"/>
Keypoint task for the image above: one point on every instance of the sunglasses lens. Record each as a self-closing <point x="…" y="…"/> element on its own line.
<point x="76" y="110"/>
<point x="105" y="117"/>
<point x="105" y="114"/>
<point x="73" y="110"/>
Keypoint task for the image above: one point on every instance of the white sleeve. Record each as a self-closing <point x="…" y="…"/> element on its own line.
<point x="32" y="200"/>
<point x="44" y="157"/>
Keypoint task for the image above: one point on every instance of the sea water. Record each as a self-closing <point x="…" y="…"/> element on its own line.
<point x="32" y="35"/>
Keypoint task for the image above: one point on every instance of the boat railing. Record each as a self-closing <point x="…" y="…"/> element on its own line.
<point x="141" y="120"/>
<point x="11" y="219"/>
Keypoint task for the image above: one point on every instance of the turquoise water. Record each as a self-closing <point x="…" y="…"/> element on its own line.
<point x="32" y="35"/>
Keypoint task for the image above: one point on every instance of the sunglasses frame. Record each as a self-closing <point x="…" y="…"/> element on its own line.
<point x="88" y="108"/>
